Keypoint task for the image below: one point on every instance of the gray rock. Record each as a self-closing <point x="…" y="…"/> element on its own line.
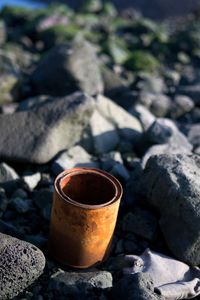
<point x="20" y="193"/>
<point x="104" y="134"/>
<point x="158" y="133"/>
<point x="8" y="178"/>
<point x="33" y="102"/>
<point x="74" y="157"/>
<point x="142" y="223"/>
<point x="8" y="108"/>
<point x="176" y="143"/>
<point x="36" y="136"/>
<point x="163" y="149"/>
<point x="67" y="69"/>
<point x="108" y="160"/>
<point x="130" y="247"/>
<point x="120" y="171"/>
<point x="21" y="206"/>
<point x="177" y="138"/>
<point x="172" y="187"/>
<point x="181" y="105"/>
<point x="9" y="79"/>
<point x="135" y="286"/>
<point x="3" y="201"/>
<point x="43" y="200"/>
<point x="90" y="279"/>
<point x="20" y="265"/>
<point x="152" y="84"/>
<point x="112" y="162"/>
<point x="159" y="104"/>
<point x="144" y="115"/>
<point x="192" y="91"/>
<point x="31" y="180"/>
<point x="193" y="134"/>
<point x="3" y="34"/>
<point x="8" y="228"/>
<point x="7" y="173"/>
<point x="128" y="126"/>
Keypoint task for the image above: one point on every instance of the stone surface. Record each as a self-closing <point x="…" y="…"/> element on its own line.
<point x="142" y="223"/>
<point x="136" y="286"/>
<point x="176" y="143"/>
<point x="159" y="104"/>
<point x="104" y="134"/>
<point x="80" y="284"/>
<point x="172" y="188"/>
<point x="73" y="158"/>
<point x="39" y="134"/>
<point x="192" y="91"/>
<point x="33" y="102"/>
<point x="193" y="134"/>
<point x="66" y="69"/>
<point x="163" y="149"/>
<point x="7" y="173"/>
<point x="128" y="126"/>
<point x="21" y="206"/>
<point x="20" y="265"/>
<point x="8" y="178"/>
<point x="31" y="180"/>
<point x="158" y="133"/>
<point x="144" y="115"/>
<point x="181" y="105"/>
<point x="92" y="279"/>
<point x="3" y="33"/>
<point x="152" y="84"/>
<point x="43" y="200"/>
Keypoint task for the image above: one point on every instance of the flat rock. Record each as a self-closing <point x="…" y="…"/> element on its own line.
<point x="93" y="279"/>
<point x="74" y="157"/>
<point x="135" y="286"/>
<point x="20" y="265"/>
<point x="37" y="135"/>
<point x="66" y="69"/>
<point x="80" y="284"/>
<point x="172" y="187"/>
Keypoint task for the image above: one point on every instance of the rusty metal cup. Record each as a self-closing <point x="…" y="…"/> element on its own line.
<point x="84" y="214"/>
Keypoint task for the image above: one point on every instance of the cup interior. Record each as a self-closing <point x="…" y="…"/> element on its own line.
<point x="88" y="188"/>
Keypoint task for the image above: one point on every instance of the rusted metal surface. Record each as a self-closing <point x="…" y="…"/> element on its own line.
<point x="84" y="214"/>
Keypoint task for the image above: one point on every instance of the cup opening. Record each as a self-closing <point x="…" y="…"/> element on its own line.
<point x="89" y="188"/>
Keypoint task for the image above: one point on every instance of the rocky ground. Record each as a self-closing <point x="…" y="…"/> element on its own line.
<point x="108" y="90"/>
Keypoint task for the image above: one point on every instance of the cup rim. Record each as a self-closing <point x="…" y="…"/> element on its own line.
<point x="83" y="170"/>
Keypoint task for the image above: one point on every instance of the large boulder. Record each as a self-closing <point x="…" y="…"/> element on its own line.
<point x="20" y="265"/>
<point x="37" y="135"/>
<point x="66" y="69"/>
<point x="172" y="187"/>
